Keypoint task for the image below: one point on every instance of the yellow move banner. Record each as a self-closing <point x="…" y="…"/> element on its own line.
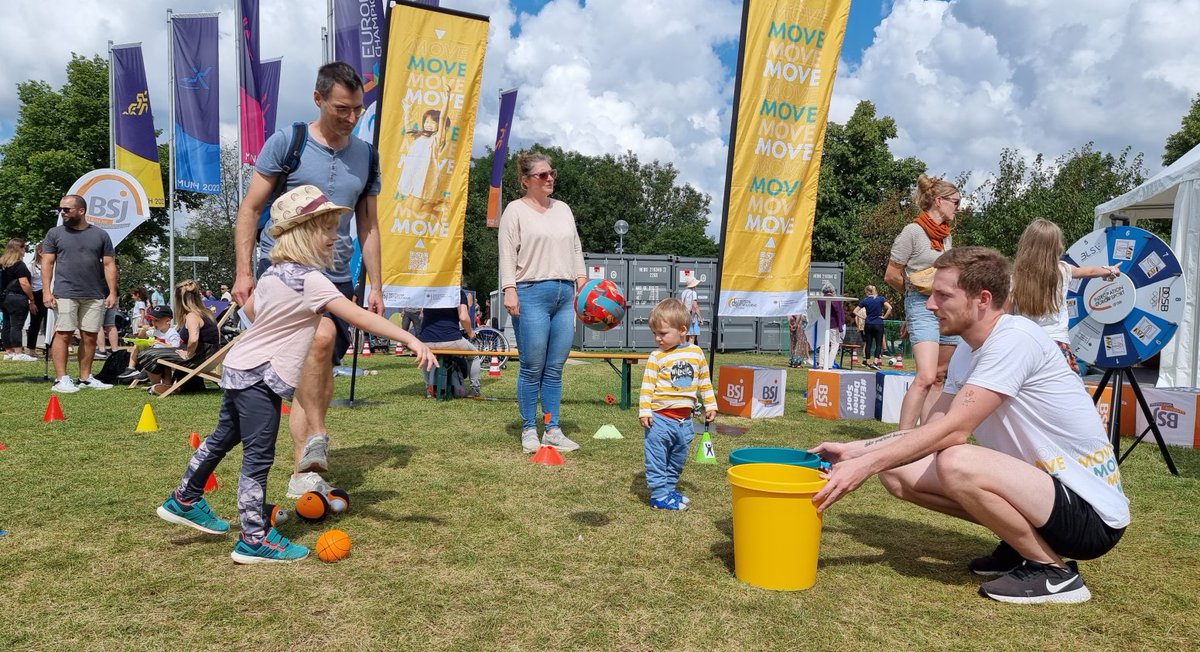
<point x="432" y="71"/>
<point x="789" y="59"/>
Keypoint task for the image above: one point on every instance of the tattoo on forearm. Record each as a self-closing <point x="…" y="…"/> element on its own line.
<point x="886" y="437"/>
<point x="968" y="397"/>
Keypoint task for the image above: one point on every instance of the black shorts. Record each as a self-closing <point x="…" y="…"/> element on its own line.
<point x="341" y="340"/>
<point x="1074" y="529"/>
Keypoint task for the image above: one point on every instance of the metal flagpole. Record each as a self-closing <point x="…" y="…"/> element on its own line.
<point x="238" y="45"/>
<point x="171" y="152"/>
<point x="327" y="32"/>
<point x="112" y="112"/>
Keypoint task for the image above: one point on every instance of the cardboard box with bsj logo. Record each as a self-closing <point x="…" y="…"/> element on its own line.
<point x="837" y="394"/>
<point x="750" y="391"/>
<point x="1174" y="409"/>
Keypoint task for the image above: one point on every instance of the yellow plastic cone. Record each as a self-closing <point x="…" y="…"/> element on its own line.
<point x="147" y="423"/>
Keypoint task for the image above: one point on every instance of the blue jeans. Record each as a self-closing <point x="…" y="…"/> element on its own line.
<point x="545" y="331"/>
<point x="666" y="449"/>
<point x="922" y="323"/>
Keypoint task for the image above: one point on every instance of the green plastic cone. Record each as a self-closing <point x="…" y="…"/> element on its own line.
<point x="607" y="431"/>
<point x="705" y="453"/>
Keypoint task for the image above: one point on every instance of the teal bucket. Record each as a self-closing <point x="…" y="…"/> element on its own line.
<point x="767" y="455"/>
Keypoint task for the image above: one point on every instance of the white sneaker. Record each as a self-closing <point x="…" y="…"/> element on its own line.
<point x="8" y="356"/>
<point x="529" y="441"/>
<point x="93" y="383"/>
<point x="23" y="357"/>
<point x="303" y="483"/>
<point x="555" y="437"/>
<point x="65" y="386"/>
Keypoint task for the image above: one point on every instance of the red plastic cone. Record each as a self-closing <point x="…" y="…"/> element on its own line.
<point x="399" y="350"/>
<point x="366" y="352"/>
<point x="53" y="411"/>
<point x="210" y="484"/>
<point x="193" y="440"/>
<point x="284" y="409"/>
<point x="548" y="456"/>
<point x="494" y="367"/>
<point x="2" y="446"/>
<point x="546" y="417"/>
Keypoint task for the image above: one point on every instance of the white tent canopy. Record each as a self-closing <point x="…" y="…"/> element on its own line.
<point x="1172" y="194"/>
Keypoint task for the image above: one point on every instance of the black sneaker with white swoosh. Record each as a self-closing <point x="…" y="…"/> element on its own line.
<point x="1034" y="583"/>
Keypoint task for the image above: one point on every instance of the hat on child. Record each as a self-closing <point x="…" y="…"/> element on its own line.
<point x="693" y="282"/>
<point x="299" y="205"/>
<point x="161" y="311"/>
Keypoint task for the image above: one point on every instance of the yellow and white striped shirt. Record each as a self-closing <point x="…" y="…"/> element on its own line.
<point x="672" y="379"/>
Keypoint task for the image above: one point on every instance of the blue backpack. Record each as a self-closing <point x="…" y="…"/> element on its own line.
<point x="291" y="161"/>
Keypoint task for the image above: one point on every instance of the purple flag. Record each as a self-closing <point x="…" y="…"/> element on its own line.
<point x="508" y="103"/>
<point x="197" y="104"/>
<point x="133" y="129"/>
<point x="268" y="93"/>
<point x="357" y="34"/>
<point x="251" y="119"/>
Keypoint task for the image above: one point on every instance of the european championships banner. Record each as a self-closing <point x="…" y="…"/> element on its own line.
<point x="785" y="79"/>
<point x="356" y="41"/>
<point x="268" y="93"/>
<point x="197" y="104"/>
<point x="252" y="132"/>
<point x="133" y="127"/>
<point x="508" y="104"/>
<point x="432" y="72"/>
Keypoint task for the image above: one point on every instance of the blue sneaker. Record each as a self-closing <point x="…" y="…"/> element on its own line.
<point x="681" y="498"/>
<point x="273" y="549"/>
<point x="669" y="502"/>
<point x="197" y="515"/>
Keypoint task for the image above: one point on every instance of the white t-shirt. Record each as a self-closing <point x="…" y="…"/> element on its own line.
<point x="168" y="339"/>
<point x="1057" y="324"/>
<point x="1047" y="419"/>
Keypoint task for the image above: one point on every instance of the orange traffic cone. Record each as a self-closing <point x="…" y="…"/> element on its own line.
<point x="211" y="483"/>
<point x="399" y="350"/>
<point x="546" y="417"/>
<point x="53" y="411"/>
<point x="366" y="352"/>
<point x="494" y="367"/>
<point x="548" y="456"/>
<point x="899" y="363"/>
<point x="853" y="356"/>
<point x="284" y="409"/>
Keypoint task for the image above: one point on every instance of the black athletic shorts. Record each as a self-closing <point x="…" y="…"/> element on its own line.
<point x="341" y="341"/>
<point x="1074" y="529"/>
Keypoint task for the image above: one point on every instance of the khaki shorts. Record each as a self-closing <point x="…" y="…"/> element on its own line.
<point x="84" y="315"/>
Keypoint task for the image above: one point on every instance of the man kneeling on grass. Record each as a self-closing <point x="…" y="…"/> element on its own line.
<point x="1044" y="477"/>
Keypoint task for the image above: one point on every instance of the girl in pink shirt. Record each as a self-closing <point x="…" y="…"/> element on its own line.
<point x="263" y="368"/>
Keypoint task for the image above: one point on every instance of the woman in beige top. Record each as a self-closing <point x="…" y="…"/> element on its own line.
<point x="918" y="245"/>
<point x="541" y="269"/>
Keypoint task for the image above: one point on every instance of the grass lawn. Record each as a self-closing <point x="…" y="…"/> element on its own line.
<point x="461" y="543"/>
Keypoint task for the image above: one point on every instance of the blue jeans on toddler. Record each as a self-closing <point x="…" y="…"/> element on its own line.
<point x="666" y="448"/>
<point x="545" y="331"/>
<point x="249" y="417"/>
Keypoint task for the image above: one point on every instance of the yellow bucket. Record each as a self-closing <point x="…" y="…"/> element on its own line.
<point x="776" y="527"/>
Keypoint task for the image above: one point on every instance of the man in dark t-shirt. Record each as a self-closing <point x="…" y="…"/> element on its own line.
<point x="79" y="282"/>
<point x="440" y="329"/>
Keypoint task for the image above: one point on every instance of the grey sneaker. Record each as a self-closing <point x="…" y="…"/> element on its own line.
<point x="554" y="437"/>
<point x="315" y="457"/>
<point x="529" y="440"/>
<point x="65" y="386"/>
<point x="303" y="483"/>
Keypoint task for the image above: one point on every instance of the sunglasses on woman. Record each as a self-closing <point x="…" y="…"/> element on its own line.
<point x="543" y="176"/>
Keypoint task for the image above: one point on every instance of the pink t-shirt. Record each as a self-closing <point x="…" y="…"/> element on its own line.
<point x="288" y="304"/>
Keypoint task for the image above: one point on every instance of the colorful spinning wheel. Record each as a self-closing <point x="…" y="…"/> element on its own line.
<point x="1126" y="320"/>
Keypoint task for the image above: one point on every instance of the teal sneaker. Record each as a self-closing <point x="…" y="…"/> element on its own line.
<point x="274" y="548"/>
<point x="197" y="515"/>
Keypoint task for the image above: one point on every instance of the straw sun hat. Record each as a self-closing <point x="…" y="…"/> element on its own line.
<point x="693" y="282"/>
<point x="299" y="205"/>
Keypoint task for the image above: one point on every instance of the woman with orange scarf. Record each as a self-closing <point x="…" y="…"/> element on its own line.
<point x="910" y="272"/>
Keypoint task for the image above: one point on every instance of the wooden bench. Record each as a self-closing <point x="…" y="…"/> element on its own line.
<point x="625" y="373"/>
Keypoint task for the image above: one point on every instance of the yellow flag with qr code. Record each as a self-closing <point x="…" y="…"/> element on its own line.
<point x="785" y="81"/>
<point x="433" y="65"/>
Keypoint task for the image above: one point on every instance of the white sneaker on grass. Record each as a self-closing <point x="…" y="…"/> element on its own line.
<point x="529" y="441"/>
<point x="23" y="357"/>
<point x="555" y="437"/>
<point x="316" y="451"/>
<point x="303" y="483"/>
<point x="94" y="383"/>
<point x="65" y="386"/>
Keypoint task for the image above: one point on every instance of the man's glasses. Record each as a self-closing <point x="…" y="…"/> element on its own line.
<point x="64" y="209"/>
<point x="544" y="176"/>
<point x="348" y="111"/>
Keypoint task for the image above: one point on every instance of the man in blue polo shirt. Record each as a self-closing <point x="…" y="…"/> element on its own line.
<point x="341" y="165"/>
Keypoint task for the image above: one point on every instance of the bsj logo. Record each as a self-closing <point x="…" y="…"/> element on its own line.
<point x="734" y="393"/>
<point x="770" y="395"/>
<point x="821" y="395"/>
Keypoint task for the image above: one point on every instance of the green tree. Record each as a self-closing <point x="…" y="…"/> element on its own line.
<point x="860" y="182"/>
<point x="1188" y="136"/>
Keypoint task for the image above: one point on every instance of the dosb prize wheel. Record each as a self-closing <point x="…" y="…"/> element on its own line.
<point x="1129" y="319"/>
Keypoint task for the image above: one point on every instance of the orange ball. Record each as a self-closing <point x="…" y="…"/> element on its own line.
<point x="333" y="546"/>
<point x="312" y="506"/>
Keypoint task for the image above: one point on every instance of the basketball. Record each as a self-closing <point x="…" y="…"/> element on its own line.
<point x="599" y="304"/>
<point x="312" y="507"/>
<point x="333" y="546"/>
<point x="339" y="500"/>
